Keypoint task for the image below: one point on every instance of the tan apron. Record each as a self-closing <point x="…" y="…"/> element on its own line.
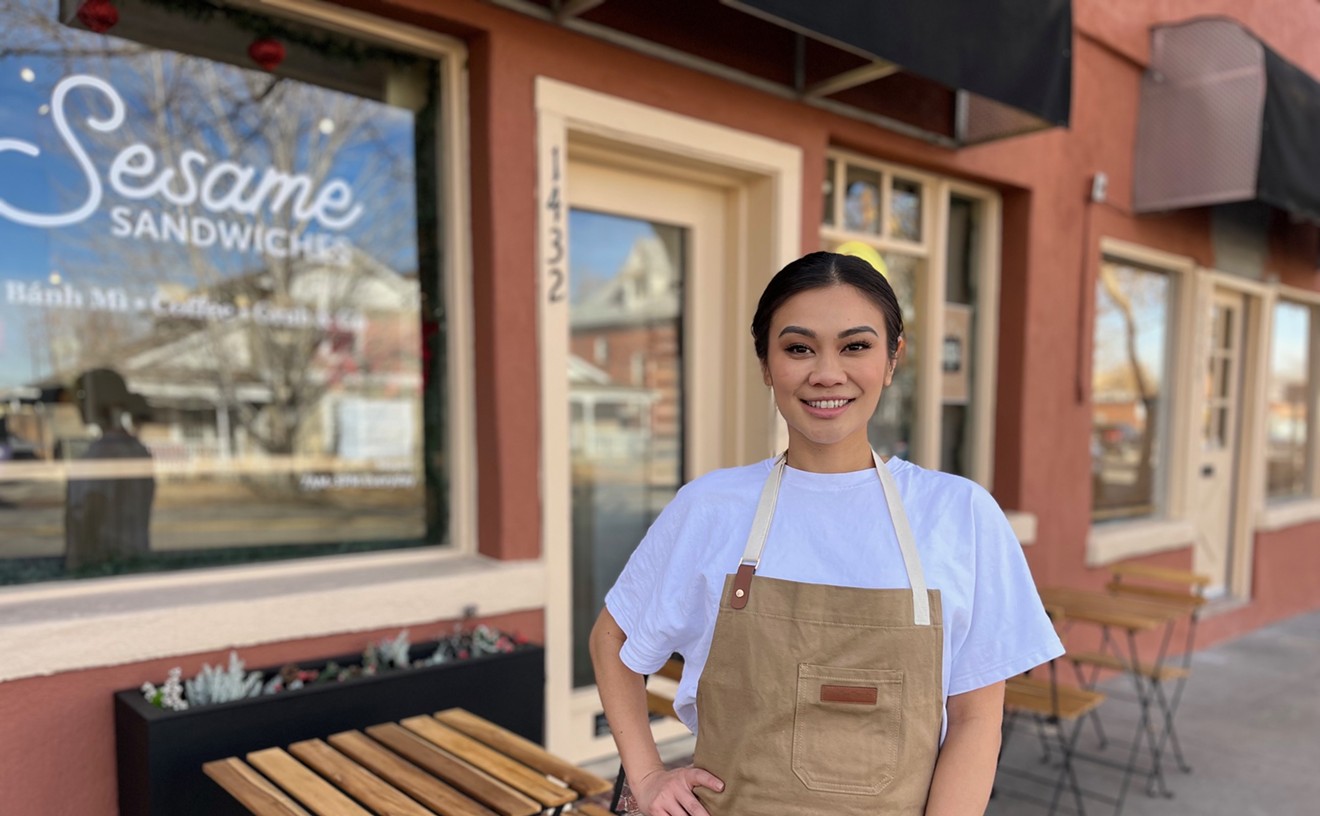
<point x="821" y="699"/>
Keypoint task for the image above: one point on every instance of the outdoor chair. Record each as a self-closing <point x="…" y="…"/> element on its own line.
<point x="1165" y="679"/>
<point x="1058" y="710"/>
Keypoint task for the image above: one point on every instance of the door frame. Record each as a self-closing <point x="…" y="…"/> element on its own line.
<point x="763" y="178"/>
<point x="1249" y="485"/>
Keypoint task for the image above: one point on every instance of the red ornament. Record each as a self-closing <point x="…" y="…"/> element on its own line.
<point x="267" y="52"/>
<point x="98" y="15"/>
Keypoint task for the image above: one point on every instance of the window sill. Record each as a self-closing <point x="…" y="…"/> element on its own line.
<point x="1024" y="526"/>
<point x="69" y="625"/>
<point x="1116" y="541"/>
<point x="1284" y="514"/>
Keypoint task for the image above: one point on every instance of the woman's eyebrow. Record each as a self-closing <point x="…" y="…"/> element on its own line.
<point x="797" y="330"/>
<point x="858" y="330"/>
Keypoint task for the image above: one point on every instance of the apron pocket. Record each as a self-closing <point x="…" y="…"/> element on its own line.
<point x="847" y="728"/>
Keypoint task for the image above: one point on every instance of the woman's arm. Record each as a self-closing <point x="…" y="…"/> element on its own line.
<point x="623" y="694"/>
<point x="965" y="770"/>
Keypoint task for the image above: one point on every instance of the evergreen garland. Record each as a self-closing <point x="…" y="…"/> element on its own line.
<point x="260" y="25"/>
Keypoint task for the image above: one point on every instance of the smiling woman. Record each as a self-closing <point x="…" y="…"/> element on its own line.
<point x="253" y="254"/>
<point x="843" y="643"/>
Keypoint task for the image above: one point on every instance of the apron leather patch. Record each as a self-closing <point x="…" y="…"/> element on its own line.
<point x="864" y="695"/>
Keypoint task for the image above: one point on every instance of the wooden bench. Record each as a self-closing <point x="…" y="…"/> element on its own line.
<point x="453" y="763"/>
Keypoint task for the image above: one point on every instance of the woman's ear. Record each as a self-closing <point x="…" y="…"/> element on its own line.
<point x="765" y="374"/>
<point x="893" y="362"/>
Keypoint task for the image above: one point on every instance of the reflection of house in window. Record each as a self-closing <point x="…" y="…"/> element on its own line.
<point x="628" y="402"/>
<point x="279" y="376"/>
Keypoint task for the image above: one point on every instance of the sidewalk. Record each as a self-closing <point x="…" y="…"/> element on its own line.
<point x="1250" y="728"/>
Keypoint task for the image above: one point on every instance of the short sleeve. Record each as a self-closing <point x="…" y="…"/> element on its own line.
<point x="1008" y="631"/>
<point x="657" y="600"/>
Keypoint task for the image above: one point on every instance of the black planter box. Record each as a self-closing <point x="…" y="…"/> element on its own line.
<point x="160" y="753"/>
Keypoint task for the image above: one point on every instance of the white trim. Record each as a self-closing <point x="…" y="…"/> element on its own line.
<point x="73" y="625"/>
<point x="1024" y="526"/>
<point x="1116" y="541"/>
<point x="1281" y="515"/>
<point x="765" y="181"/>
<point x="61" y="626"/>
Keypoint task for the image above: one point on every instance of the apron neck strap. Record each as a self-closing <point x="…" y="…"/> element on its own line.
<point x="765" y="513"/>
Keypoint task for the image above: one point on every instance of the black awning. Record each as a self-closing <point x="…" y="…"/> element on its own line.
<point x="1016" y="53"/>
<point x="1225" y="119"/>
<point x="953" y="72"/>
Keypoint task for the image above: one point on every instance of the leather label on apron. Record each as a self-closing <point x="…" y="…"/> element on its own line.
<point x="865" y="695"/>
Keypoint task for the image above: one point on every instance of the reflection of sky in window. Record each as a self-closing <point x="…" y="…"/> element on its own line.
<point x="370" y="147"/>
<point x="1291" y="340"/>
<point x="1148" y="293"/>
<point x="599" y="244"/>
<point x="375" y="158"/>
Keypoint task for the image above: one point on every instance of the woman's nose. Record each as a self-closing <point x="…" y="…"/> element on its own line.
<point x="828" y="371"/>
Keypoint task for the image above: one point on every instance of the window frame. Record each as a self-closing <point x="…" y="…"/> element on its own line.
<point x="1286" y="511"/>
<point x="931" y="295"/>
<point x="68" y="625"/>
<point x="1169" y="528"/>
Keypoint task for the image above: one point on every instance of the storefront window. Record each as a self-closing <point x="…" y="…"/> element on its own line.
<point x="1290" y="388"/>
<point x="939" y="429"/>
<point x="1129" y="391"/>
<point x="221" y="324"/>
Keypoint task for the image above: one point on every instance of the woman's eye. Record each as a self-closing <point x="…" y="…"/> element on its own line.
<point x="860" y="345"/>
<point x="797" y="348"/>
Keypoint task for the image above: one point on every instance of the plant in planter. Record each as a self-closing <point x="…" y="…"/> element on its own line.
<point x="164" y="734"/>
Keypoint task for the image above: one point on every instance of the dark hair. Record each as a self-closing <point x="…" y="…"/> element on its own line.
<point x="817" y="270"/>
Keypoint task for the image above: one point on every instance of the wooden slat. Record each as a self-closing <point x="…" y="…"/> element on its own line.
<point x="525" y="751"/>
<point x="672" y="670"/>
<point x="659" y="705"/>
<point x="478" y="785"/>
<point x="251" y="788"/>
<point x="1109" y="610"/>
<point x="312" y="791"/>
<point x="506" y="769"/>
<point x="1169" y="596"/>
<point x="363" y="785"/>
<point x="1106" y="661"/>
<point x="1171" y="576"/>
<point x="417" y="783"/>
<point x="1033" y="694"/>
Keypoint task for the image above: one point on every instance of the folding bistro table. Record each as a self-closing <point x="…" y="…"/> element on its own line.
<point x="1121" y="619"/>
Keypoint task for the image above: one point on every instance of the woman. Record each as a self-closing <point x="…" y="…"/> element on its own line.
<point x="854" y="662"/>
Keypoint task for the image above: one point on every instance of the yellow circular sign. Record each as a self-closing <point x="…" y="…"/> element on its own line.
<point x="866" y="252"/>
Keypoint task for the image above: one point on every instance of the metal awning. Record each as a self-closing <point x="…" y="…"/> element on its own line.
<point x="1225" y="119"/>
<point x="948" y="71"/>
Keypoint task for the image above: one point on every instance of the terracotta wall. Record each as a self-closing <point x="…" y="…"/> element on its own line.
<point x="57" y="755"/>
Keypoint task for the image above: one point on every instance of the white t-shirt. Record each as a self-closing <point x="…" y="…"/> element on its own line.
<point x="834" y="528"/>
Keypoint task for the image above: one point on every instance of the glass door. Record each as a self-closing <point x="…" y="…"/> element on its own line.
<point x="640" y="410"/>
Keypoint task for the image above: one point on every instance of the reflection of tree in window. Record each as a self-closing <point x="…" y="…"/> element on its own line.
<point x="1290" y="388"/>
<point x="1127" y="380"/>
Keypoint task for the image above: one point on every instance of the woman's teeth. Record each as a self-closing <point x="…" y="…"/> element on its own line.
<point x="824" y="404"/>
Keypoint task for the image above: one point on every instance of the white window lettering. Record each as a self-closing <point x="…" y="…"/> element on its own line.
<point x="135" y="174"/>
<point x="94" y="191"/>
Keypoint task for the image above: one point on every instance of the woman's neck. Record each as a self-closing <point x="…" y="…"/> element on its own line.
<point x="837" y="458"/>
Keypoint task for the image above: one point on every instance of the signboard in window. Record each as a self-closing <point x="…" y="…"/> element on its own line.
<point x="210" y="272"/>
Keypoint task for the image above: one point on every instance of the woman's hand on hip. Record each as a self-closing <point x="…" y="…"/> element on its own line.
<point x="669" y="793"/>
